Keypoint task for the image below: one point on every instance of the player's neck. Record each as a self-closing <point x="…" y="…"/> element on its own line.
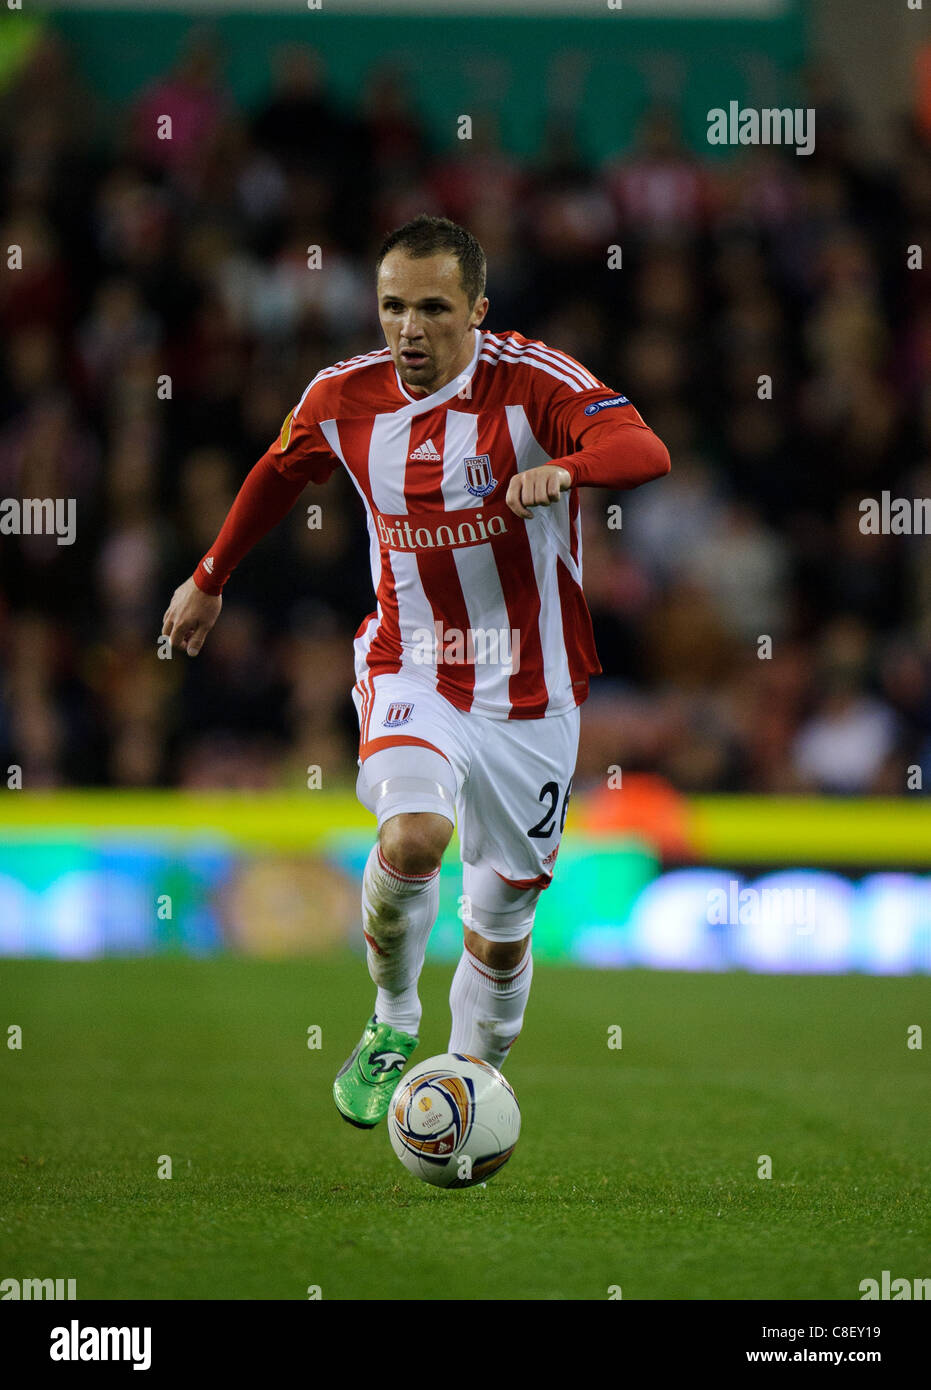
<point x="462" y="362"/>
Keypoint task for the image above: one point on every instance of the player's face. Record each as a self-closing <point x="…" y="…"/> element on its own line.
<point x="426" y="318"/>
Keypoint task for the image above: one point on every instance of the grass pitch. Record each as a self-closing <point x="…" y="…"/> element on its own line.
<point x="637" y="1167"/>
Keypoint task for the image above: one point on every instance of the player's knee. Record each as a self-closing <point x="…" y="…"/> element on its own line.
<point x="500" y="955"/>
<point x="497" y="917"/>
<point x="414" y="841"/>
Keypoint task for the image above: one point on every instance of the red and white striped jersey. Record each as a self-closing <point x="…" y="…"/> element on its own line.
<point x="485" y="606"/>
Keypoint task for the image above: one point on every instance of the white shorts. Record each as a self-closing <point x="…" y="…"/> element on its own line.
<point x="513" y="776"/>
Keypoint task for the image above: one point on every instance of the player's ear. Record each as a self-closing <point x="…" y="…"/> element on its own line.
<point x="479" y="310"/>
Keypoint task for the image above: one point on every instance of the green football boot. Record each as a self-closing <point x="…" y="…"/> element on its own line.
<point x="365" y="1082"/>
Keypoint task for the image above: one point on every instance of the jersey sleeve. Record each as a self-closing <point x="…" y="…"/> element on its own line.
<point x="301" y="452"/>
<point x="595" y="433"/>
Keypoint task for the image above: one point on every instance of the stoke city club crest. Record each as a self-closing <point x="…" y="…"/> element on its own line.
<point x="478" y="475"/>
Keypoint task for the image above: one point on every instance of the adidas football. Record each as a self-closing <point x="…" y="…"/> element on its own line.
<point x="453" y="1120"/>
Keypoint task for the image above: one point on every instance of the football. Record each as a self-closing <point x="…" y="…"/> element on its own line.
<point x="453" y="1120"/>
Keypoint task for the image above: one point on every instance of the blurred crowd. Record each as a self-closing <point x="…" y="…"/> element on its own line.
<point x="164" y="321"/>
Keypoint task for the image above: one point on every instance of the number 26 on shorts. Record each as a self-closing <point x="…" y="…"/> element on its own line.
<point x="547" y="823"/>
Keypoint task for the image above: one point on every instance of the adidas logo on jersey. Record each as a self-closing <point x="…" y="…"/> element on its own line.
<point x="424" y="453"/>
<point x="208" y="564"/>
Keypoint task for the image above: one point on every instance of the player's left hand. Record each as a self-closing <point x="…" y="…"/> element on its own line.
<point x="537" y="487"/>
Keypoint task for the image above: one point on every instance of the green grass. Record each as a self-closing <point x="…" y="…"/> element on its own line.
<point x="635" y="1167"/>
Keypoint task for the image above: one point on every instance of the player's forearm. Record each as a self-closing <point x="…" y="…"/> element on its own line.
<point x="264" y="499"/>
<point x="622" y="457"/>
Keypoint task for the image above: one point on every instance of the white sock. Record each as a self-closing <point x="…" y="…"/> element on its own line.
<point x="398" y="913"/>
<point x="488" y="1006"/>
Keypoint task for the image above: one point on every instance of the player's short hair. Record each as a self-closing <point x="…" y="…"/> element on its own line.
<point x="427" y="236"/>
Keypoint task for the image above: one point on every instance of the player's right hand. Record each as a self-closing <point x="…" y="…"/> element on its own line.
<point x="190" y="616"/>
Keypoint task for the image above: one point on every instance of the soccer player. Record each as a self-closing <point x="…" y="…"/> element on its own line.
<point x="467" y="449"/>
